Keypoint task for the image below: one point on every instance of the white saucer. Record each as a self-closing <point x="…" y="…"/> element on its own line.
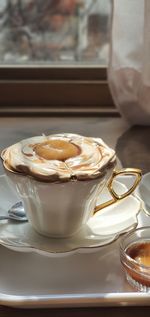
<point x="143" y="192"/>
<point x="100" y="230"/>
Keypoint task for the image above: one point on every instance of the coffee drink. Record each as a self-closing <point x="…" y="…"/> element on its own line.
<point x="59" y="157"/>
<point x="59" y="178"/>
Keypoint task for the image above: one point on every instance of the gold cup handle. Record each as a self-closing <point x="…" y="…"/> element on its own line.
<point x="115" y="197"/>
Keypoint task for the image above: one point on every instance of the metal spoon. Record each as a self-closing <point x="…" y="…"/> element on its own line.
<point x="16" y="212"/>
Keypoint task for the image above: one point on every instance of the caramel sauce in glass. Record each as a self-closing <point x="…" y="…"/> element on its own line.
<point x="140" y="252"/>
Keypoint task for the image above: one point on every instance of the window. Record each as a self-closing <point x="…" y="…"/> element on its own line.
<point x="53" y="56"/>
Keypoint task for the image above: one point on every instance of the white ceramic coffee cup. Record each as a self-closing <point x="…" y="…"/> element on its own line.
<point x="60" y="209"/>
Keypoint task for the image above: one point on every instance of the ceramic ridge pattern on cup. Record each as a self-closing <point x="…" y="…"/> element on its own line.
<point x="90" y="162"/>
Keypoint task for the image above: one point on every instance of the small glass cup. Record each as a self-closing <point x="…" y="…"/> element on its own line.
<point x="135" y="258"/>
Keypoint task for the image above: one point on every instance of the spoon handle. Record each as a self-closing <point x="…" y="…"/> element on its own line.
<point x="3" y="217"/>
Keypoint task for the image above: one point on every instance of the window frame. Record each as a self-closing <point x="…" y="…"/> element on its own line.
<point x="55" y="89"/>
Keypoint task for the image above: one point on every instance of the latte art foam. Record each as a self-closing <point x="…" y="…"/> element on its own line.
<point x="59" y="157"/>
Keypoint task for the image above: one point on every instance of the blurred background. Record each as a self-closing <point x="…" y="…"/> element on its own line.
<point x="54" y="31"/>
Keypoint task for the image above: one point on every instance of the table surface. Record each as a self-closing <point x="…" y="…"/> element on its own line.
<point x="132" y="145"/>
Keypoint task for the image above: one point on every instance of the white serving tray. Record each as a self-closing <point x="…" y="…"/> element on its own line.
<point x="95" y="279"/>
<point x="30" y="280"/>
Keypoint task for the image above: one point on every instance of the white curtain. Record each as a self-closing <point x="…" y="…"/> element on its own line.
<point x="129" y="64"/>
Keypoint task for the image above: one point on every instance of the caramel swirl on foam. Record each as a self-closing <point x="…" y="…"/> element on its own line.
<point x="56" y="150"/>
<point x="59" y="157"/>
